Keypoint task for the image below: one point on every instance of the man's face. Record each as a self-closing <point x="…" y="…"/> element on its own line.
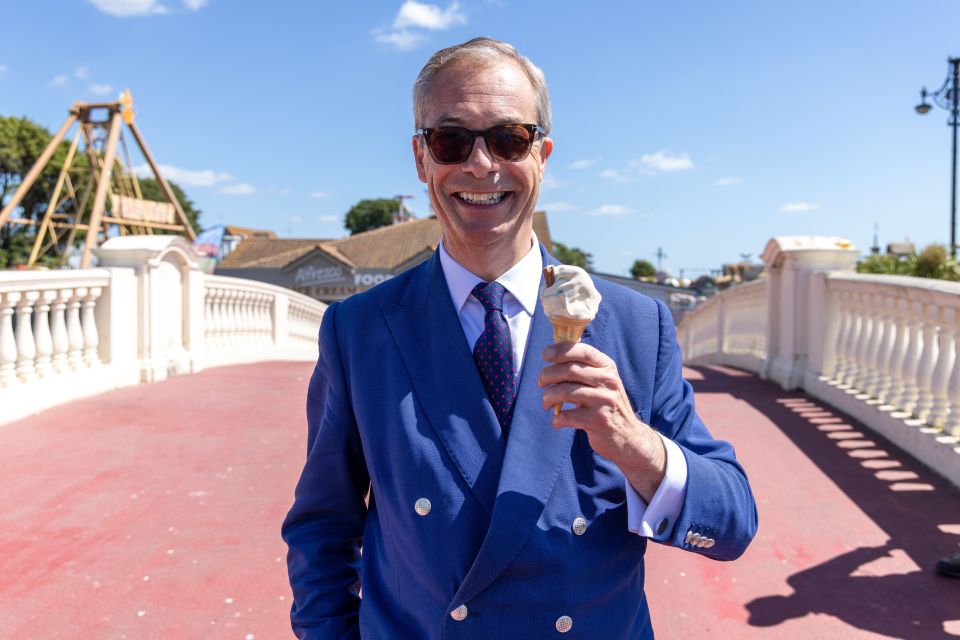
<point x="499" y="223"/>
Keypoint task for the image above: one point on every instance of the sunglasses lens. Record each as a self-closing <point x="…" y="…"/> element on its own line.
<point x="509" y="142"/>
<point x="450" y="145"/>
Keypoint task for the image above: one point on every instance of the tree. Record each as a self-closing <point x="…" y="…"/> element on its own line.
<point x="572" y="255"/>
<point x="643" y="269"/>
<point x="151" y="190"/>
<point x="932" y="262"/>
<point x="371" y="214"/>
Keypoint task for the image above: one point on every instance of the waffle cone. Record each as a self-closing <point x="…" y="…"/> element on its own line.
<point x="567" y="330"/>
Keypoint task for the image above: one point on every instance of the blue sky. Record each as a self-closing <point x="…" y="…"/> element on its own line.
<point x="704" y="128"/>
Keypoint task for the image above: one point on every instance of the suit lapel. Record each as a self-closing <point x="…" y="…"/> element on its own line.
<point x="534" y="457"/>
<point x="444" y="378"/>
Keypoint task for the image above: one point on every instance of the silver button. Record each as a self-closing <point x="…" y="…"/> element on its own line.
<point x="702" y="542"/>
<point x="687" y="539"/>
<point x="422" y="506"/>
<point x="579" y="525"/>
<point x="460" y="613"/>
<point x="694" y="539"/>
<point x="564" y="624"/>
<point x="710" y="542"/>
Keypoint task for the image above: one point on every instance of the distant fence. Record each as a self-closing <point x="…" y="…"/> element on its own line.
<point x="885" y="349"/>
<point x="146" y="315"/>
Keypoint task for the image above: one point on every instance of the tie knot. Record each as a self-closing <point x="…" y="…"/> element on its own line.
<point x="490" y="295"/>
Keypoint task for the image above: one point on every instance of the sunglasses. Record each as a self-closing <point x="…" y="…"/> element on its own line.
<point x="508" y="142"/>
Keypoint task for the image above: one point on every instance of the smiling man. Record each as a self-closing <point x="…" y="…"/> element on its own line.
<point x="432" y="444"/>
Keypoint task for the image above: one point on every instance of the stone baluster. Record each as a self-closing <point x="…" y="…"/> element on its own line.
<point x="892" y="393"/>
<point x="842" y="300"/>
<point x="75" y="330"/>
<point x="952" y="426"/>
<point x="41" y="333"/>
<point x="91" y="337"/>
<point x="867" y="329"/>
<point x="941" y="373"/>
<point x="928" y="362"/>
<point x="868" y="380"/>
<point x="207" y="317"/>
<point x="58" y="329"/>
<point x="265" y="329"/>
<point x="8" y="343"/>
<point x="26" y="347"/>
<point x="857" y="326"/>
<point x="911" y="362"/>
<point x="883" y="380"/>
<point x="216" y="314"/>
<point x="230" y="326"/>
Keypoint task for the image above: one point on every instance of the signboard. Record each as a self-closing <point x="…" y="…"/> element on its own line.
<point x="309" y="275"/>
<point x="137" y="210"/>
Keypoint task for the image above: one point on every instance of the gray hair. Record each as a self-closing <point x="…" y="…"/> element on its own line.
<point x="479" y="51"/>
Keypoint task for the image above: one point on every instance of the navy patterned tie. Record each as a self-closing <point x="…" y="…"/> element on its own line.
<point x="493" y="352"/>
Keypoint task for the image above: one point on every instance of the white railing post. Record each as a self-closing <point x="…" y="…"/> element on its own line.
<point x="894" y="391"/>
<point x="941" y="373"/>
<point x="927" y="363"/>
<point x="26" y="348"/>
<point x="8" y="343"/>
<point x="91" y="338"/>
<point x="58" y="329"/>
<point x="952" y="426"/>
<point x="911" y="362"/>
<point x="41" y="333"/>
<point x="841" y="346"/>
<point x="74" y="330"/>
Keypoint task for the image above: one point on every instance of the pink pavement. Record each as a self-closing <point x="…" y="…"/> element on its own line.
<point x="154" y="512"/>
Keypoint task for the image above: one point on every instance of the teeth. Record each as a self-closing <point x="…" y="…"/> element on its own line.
<point x="482" y="198"/>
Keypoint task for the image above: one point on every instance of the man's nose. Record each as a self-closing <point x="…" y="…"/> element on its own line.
<point x="480" y="162"/>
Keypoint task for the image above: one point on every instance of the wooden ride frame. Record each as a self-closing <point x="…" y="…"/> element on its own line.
<point x="102" y="167"/>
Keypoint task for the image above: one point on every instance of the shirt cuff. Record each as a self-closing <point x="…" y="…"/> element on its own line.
<point x="656" y="520"/>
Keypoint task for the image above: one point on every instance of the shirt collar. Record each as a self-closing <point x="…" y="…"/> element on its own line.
<point x="522" y="280"/>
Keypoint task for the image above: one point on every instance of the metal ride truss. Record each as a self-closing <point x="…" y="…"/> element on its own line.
<point x="102" y="177"/>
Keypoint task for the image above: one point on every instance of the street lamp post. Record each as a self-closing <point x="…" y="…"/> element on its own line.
<point x="946" y="97"/>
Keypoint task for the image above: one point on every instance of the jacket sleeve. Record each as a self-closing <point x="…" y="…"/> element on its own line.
<point x="324" y="528"/>
<point x="719" y="504"/>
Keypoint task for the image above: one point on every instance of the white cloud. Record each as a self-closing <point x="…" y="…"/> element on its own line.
<point x="428" y="16"/>
<point x="319" y="194"/>
<point x="186" y="177"/>
<point x="402" y="40"/>
<point x="195" y="5"/>
<point x="238" y="189"/>
<point x="583" y="164"/>
<point x="553" y="207"/>
<point x="615" y="175"/>
<point x="57" y="81"/>
<point x="81" y="72"/>
<point x="296" y="219"/>
<point x="549" y="182"/>
<point x="124" y="8"/>
<point x="798" y="207"/>
<point x="610" y="210"/>
<point x="101" y="89"/>
<point x="414" y="17"/>
<point x="727" y="182"/>
<point x="663" y="161"/>
<point x="328" y="218"/>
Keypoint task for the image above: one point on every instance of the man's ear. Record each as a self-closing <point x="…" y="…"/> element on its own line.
<point x="546" y="148"/>
<point x="418" y="156"/>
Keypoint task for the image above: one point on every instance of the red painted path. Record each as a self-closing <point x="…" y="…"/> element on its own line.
<point x="153" y="512"/>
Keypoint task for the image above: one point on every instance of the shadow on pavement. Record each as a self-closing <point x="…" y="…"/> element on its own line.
<point x="918" y="511"/>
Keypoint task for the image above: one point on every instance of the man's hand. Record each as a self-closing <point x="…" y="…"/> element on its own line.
<point x="588" y="378"/>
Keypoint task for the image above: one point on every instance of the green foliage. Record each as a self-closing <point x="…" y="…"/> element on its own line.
<point x="572" y="256"/>
<point x="150" y="189"/>
<point x="371" y="214"/>
<point x="932" y="262"/>
<point x="643" y="269"/>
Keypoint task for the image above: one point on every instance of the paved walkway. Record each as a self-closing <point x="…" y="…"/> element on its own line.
<point x="153" y="512"/>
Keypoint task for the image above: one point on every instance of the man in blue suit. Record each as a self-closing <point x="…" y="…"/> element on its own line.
<point x="480" y="514"/>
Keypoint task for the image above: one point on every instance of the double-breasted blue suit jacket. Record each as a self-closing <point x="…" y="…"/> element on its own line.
<point x="396" y="406"/>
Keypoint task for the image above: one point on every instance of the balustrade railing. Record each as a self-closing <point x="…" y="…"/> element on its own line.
<point x="730" y="326"/>
<point x="48" y="326"/>
<point x="898" y="345"/>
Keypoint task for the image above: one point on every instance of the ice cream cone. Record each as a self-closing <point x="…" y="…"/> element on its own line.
<point x="568" y="330"/>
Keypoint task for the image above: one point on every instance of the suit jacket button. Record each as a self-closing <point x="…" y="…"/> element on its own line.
<point x="460" y="613"/>
<point x="709" y="543"/>
<point x="579" y="525"/>
<point x="564" y="624"/>
<point x="422" y="506"/>
<point x="694" y="539"/>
